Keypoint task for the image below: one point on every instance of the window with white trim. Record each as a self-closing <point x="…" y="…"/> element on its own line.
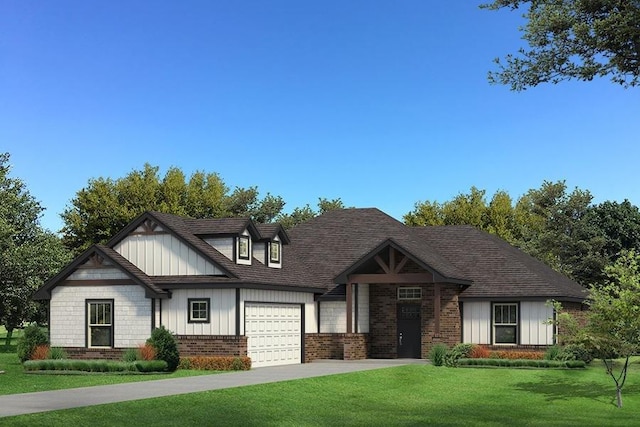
<point x="199" y="310"/>
<point x="409" y="293"/>
<point x="505" y="323"/>
<point x="100" y="323"/>
<point x="274" y="251"/>
<point x="244" y="247"/>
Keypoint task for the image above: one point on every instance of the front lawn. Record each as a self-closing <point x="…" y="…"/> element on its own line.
<point x="406" y="396"/>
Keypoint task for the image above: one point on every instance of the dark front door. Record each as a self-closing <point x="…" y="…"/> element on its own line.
<point x="409" y="331"/>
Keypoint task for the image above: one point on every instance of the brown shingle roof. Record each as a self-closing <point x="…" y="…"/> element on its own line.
<point x="498" y="269"/>
<point x="331" y="243"/>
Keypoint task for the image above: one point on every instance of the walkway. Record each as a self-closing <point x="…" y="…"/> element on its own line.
<point x="28" y="403"/>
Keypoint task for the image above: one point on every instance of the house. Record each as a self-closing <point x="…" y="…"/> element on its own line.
<point x="351" y="283"/>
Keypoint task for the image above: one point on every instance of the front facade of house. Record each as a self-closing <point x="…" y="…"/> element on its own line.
<point x="352" y="284"/>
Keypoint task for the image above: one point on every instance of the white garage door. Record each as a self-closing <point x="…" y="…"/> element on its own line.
<point x="274" y="333"/>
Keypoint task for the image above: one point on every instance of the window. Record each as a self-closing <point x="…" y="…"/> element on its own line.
<point x="505" y="323"/>
<point x="199" y="310"/>
<point x="409" y="293"/>
<point x="274" y="251"/>
<point x="100" y="323"/>
<point x="243" y="247"/>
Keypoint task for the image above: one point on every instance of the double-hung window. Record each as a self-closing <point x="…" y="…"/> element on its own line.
<point x="199" y="310"/>
<point x="505" y="323"/>
<point x="100" y="323"/>
<point x="274" y="251"/>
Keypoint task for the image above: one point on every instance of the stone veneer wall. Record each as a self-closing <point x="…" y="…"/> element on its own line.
<point x="356" y="346"/>
<point x="323" y="346"/>
<point x="383" y="321"/>
<point x="337" y="346"/>
<point x="212" y="345"/>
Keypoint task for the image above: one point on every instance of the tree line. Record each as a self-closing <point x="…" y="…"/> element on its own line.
<point x="561" y="228"/>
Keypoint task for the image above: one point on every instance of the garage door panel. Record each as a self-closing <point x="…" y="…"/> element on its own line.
<point x="273" y="333"/>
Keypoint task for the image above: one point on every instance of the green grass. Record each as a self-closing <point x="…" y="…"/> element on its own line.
<point x="405" y="396"/>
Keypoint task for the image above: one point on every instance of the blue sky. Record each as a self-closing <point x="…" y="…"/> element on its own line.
<point x="378" y="103"/>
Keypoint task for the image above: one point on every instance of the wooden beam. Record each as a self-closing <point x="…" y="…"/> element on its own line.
<point x="382" y="264"/>
<point x="349" y="308"/>
<point x="401" y="264"/>
<point x="391" y="278"/>
<point x="392" y="260"/>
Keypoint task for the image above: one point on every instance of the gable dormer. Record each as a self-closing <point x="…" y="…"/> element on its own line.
<point x="273" y="238"/>
<point x="243" y="248"/>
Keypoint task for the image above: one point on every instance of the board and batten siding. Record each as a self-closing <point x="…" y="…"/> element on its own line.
<point x="477" y="323"/>
<point x="333" y="314"/>
<point x="131" y="313"/>
<point x="175" y="312"/>
<point x="164" y="255"/>
<point x="285" y="297"/>
<point x="533" y="331"/>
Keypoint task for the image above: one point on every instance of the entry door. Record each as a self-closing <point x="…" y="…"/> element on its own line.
<point x="409" y="331"/>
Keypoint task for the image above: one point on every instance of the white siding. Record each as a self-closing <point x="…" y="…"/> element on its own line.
<point x="222" y="315"/>
<point x="110" y="273"/>
<point x="306" y="298"/>
<point x="224" y="245"/>
<point x="164" y="255"/>
<point x="333" y="314"/>
<point x="259" y="251"/>
<point x="533" y="331"/>
<point x="333" y="317"/>
<point x="476" y="322"/>
<point x="132" y="314"/>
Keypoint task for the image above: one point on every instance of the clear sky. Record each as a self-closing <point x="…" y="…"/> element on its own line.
<point x="379" y="103"/>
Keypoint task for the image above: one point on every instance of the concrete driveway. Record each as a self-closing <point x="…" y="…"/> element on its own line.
<point x="28" y="403"/>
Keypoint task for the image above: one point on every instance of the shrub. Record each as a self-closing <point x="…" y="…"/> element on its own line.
<point x="32" y="337"/>
<point x="576" y="352"/>
<point x="57" y="353"/>
<point x="40" y="352"/>
<point x="216" y="363"/>
<point x="151" y="365"/>
<point x="521" y="363"/>
<point x="165" y="346"/>
<point x="130" y="355"/>
<point x="530" y="355"/>
<point x="458" y="351"/>
<point x="479" y="352"/>
<point x="437" y="354"/>
<point x="552" y="353"/>
<point x="147" y="352"/>
<point x="95" y="365"/>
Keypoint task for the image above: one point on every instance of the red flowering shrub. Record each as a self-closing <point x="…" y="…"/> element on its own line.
<point x="508" y="354"/>
<point x="40" y="352"/>
<point x="216" y="363"/>
<point x="479" y="352"/>
<point x="147" y="352"/>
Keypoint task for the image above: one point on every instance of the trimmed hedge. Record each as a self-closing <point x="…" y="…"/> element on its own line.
<point x="216" y="363"/>
<point x="94" y="365"/>
<point x="522" y="363"/>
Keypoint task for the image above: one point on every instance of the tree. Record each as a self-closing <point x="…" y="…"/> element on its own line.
<point x="305" y="213"/>
<point x="496" y="217"/>
<point x="573" y="39"/>
<point x="105" y="206"/>
<point x="554" y="229"/>
<point x="28" y="254"/>
<point x="612" y="330"/>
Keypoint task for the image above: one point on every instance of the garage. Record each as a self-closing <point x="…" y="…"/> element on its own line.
<point x="274" y="333"/>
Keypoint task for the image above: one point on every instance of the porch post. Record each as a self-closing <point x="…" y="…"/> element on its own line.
<point x="436" y="308"/>
<point x="349" y="308"/>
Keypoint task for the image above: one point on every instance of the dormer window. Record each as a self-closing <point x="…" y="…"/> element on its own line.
<point x="243" y="247"/>
<point x="274" y="252"/>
